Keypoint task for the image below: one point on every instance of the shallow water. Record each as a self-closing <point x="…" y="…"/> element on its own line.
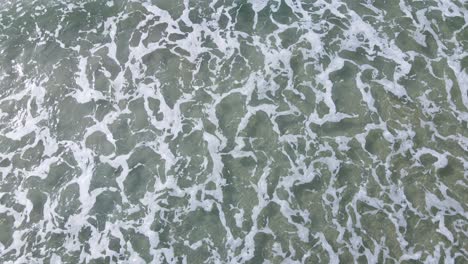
<point x="232" y="131"/>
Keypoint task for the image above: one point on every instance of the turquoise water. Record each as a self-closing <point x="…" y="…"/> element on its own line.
<point x="233" y="131"/>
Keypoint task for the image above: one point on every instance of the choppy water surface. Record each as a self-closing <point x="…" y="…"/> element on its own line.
<point x="228" y="131"/>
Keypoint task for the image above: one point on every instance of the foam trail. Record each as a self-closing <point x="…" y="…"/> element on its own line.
<point x="280" y="131"/>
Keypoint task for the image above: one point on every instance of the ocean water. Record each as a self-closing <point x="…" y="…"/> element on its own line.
<point x="233" y="131"/>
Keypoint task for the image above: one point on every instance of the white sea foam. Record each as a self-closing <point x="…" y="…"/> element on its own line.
<point x="227" y="136"/>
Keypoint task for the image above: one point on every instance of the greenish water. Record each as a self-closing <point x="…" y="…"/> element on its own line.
<point x="233" y="131"/>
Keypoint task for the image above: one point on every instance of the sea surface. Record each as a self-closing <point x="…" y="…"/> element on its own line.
<point x="233" y="131"/>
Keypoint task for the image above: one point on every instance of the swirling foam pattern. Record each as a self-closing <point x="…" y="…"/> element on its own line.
<point x="233" y="131"/>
